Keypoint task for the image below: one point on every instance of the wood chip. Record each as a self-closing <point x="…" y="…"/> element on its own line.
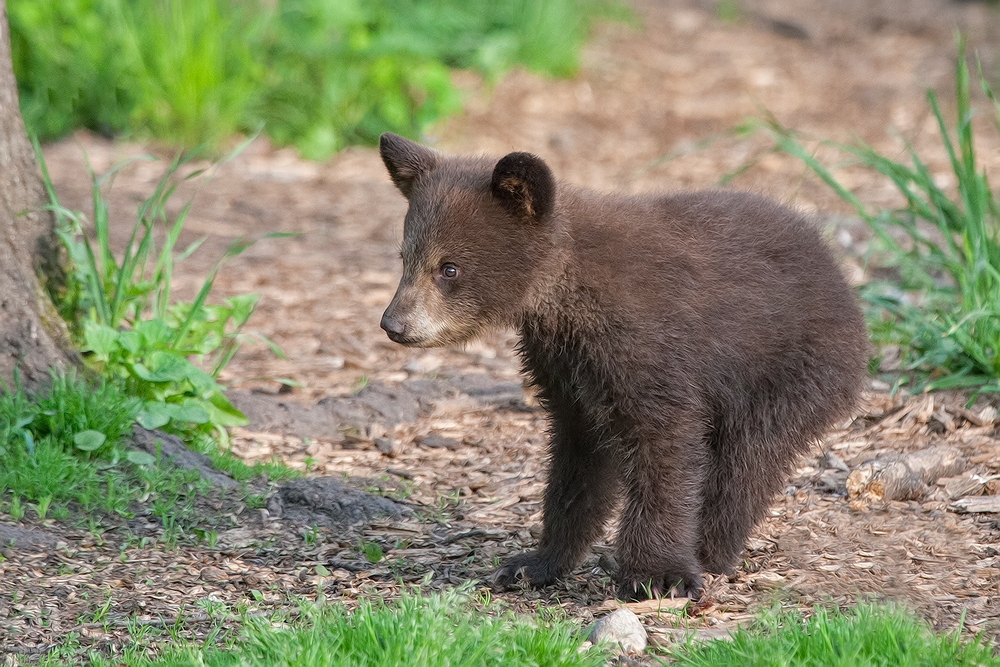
<point x="978" y="504"/>
<point x="653" y="606"/>
<point x="896" y="476"/>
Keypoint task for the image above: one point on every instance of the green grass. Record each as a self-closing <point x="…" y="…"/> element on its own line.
<point x="48" y="471"/>
<point x="275" y="471"/>
<point x="314" y="73"/>
<point x="866" y="636"/>
<point x="943" y="308"/>
<point x="455" y="628"/>
<point x="41" y="463"/>
<point x="441" y="629"/>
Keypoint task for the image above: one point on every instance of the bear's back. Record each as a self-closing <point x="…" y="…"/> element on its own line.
<point x="727" y="291"/>
<point x="714" y="263"/>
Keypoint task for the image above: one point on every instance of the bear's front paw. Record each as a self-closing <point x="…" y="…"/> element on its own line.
<point x="531" y="567"/>
<point x="670" y="585"/>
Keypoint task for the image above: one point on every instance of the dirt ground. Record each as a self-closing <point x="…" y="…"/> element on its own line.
<point x="651" y="109"/>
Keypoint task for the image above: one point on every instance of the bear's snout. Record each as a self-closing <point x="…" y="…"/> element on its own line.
<point x="395" y="329"/>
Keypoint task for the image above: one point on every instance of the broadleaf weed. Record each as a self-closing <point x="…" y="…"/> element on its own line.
<point x="312" y="73"/>
<point x="126" y="321"/>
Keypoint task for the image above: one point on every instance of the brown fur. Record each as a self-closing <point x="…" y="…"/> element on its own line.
<point x="687" y="348"/>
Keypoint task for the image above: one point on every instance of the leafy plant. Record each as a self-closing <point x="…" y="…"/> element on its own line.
<point x="127" y="323"/>
<point x="182" y="70"/>
<point x="54" y="444"/>
<point x="314" y="73"/>
<point x="274" y="471"/>
<point x="943" y="311"/>
<point x="90" y="419"/>
<point x="372" y="552"/>
<point x="92" y="478"/>
<point x="16" y="510"/>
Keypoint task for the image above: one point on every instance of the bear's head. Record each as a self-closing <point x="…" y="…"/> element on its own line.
<point x="475" y="239"/>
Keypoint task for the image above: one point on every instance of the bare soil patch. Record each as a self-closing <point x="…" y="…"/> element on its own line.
<point x="449" y="433"/>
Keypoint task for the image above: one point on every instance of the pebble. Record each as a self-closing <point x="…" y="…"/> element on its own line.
<point x="834" y="462"/>
<point x="620" y="627"/>
<point x="385" y="446"/>
<point x="436" y="441"/>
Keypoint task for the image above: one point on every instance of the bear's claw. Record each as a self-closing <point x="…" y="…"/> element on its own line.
<point x="671" y="586"/>
<point x="530" y="567"/>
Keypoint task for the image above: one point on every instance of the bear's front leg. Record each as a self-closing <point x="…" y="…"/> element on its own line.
<point x="658" y="535"/>
<point x="581" y="492"/>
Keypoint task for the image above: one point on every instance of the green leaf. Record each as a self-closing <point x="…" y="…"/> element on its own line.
<point x="321" y="570"/>
<point x="155" y="332"/>
<point x="203" y="383"/>
<point x="275" y="350"/>
<point x="154" y="415"/>
<point x="958" y="381"/>
<point x="163" y="367"/>
<point x="89" y="440"/>
<point x="373" y="552"/>
<point x="222" y="412"/>
<point x="140" y="458"/>
<point x="242" y="307"/>
<point x="204" y="341"/>
<point x="29" y="442"/>
<point x="100" y="339"/>
<point x="131" y="342"/>
<point x="190" y="410"/>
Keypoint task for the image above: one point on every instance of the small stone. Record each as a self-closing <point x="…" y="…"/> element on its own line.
<point x="621" y="628"/>
<point x="607" y="564"/>
<point x="385" y="446"/>
<point x="988" y="415"/>
<point x="833" y="462"/>
<point x="437" y="441"/>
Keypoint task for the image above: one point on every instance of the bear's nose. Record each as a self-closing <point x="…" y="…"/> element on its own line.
<point x="393" y="327"/>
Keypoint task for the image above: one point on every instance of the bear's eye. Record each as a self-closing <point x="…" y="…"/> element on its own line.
<point x="449" y="270"/>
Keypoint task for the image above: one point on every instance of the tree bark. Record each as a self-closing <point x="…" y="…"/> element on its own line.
<point x="33" y="338"/>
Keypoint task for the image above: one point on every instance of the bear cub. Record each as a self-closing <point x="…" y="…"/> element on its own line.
<point x="686" y="347"/>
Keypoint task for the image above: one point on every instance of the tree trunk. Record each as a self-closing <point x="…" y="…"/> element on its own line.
<point x="33" y="338"/>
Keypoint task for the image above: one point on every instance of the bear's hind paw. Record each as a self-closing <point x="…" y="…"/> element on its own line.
<point x="669" y="586"/>
<point x="530" y="567"/>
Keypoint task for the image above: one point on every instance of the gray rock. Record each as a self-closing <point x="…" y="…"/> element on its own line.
<point x="621" y="628"/>
<point x="328" y="502"/>
<point x="438" y="441"/>
<point x="26" y="538"/>
<point x="831" y="461"/>
<point x="832" y="481"/>
<point x="172" y="450"/>
<point x="385" y="446"/>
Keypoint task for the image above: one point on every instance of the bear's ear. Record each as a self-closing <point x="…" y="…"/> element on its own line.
<point x="524" y="185"/>
<point x="405" y="160"/>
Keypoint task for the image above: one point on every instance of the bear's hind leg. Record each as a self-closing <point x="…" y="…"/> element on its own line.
<point x="658" y="536"/>
<point x="745" y="475"/>
<point x="580" y="494"/>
